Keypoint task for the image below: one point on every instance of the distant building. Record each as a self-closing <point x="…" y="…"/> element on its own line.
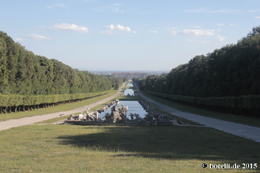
<point x="130" y="75"/>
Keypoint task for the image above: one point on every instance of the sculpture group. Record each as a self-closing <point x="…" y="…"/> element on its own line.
<point x="118" y="115"/>
<point x="88" y="116"/>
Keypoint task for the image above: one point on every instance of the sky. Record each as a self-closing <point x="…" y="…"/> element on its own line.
<point x="133" y="35"/>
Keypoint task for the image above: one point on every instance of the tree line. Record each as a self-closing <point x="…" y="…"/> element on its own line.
<point x="232" y="71"/>
<point x="24" y="73"/>
<point x="29" y="81"/>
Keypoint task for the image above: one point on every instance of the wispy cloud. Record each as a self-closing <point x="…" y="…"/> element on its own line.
<point x="231" y="24"/>
<point x="38" y="37"/>
<point x="134" y="32"/>
<point x="117" y="4"/>
<point x="220" y="24"/>
<point x="207" y="10"/>
<point x="19" y="39"/>
<point x="148" y="12"/>
<point x="197" y="41"/>
<point x="56" y="5"/>
<point x="155" y="31"/>
<point x="258" y="17"/>
<point x="253" y="11"/>
<point x="220" y="38"/>
<point x="193" y="32"/>
<point x="117" y="10"/>
<point x="111" y="29"/>
<point x="197" y="26"/>
<point x="171" y="28"/>
<point x="111" y="8"/>
<point x="69" y="27"/>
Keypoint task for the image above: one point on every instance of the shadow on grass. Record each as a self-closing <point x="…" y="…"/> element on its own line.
<point x="168" y="143"/>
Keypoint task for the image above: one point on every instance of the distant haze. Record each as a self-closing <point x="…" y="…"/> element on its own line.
<point x="110" y="72"/>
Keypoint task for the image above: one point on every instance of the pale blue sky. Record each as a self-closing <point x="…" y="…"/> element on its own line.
<point x="127" y="35"/>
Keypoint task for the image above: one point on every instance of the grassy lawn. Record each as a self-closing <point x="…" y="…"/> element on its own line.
<point x="128" y="98"/>
<point x="54" y="120"/>
<point x="62" y="107"/>
<point x="71" y="148"/>
<point x="218" y="115"/>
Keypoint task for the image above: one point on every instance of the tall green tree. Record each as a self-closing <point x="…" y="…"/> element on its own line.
<point x="3" y="66"/>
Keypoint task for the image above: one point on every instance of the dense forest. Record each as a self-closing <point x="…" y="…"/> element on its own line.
<point x="24" y="74"/>
<point x="232" y="71"/>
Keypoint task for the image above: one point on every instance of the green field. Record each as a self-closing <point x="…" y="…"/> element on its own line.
<point x="68" y="148"/>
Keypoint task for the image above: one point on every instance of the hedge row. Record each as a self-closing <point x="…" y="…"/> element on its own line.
<point x="241" y="102"/>
<point x="27" y="100"/>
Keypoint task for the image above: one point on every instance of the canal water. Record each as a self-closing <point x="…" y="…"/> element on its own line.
<point x="133" y="107"/>
<point x="129" y="85"/>
<point x="129" y="91"/>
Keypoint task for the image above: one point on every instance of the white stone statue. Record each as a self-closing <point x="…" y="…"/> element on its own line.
<point x="96" y="115"/>
<point x="81" y="116"/>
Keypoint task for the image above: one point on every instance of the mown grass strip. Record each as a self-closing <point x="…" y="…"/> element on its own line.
<point x="71" y="148"/>
<point x="54" y="120"/>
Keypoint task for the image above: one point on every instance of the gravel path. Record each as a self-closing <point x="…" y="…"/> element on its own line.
<point x="241" y="130"/>
<point x="30" y="120"/>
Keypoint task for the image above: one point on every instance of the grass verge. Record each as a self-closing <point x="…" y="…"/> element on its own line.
<point x="54" y="120"/>
<point x="218" y="115"/>
<point x="68" y="148"/>
<point x="179" y="119"/>
<point x="62" y="107"/>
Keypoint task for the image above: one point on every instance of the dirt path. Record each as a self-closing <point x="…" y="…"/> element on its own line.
<point x="237" y="129"/>
<point x="30" y="120"/>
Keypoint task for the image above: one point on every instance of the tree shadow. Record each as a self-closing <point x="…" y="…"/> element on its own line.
<point x="170" y="142"/>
